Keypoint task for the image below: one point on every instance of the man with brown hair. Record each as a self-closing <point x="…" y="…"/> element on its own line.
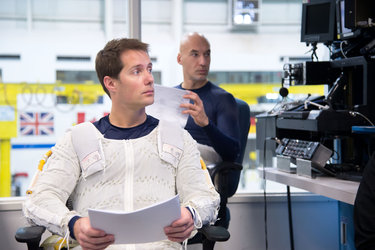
<point x="130" y="170"/>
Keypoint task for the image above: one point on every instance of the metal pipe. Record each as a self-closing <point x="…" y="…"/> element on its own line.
<point x="134" y="20"/>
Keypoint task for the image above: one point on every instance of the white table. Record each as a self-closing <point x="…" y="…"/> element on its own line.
<point x="341" y="190"/>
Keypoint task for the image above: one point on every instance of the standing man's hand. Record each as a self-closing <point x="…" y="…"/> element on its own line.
<point x="195" y="109"/>
<point x="90" y="238"/>
<point x="180" y="229"/>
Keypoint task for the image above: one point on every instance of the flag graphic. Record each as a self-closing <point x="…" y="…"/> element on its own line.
<point x="81" y="117"/>
<point x="38" y="123"/>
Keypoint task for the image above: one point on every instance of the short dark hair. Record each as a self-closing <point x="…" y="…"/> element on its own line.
<point x="108" y="61"/>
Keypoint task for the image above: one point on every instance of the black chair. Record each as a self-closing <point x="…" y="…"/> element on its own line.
<point x="225" y="177"/>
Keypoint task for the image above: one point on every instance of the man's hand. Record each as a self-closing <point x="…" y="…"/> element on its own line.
<point x="180" y="229"/>
<point x="196" y="109"/>
<point x="90" y="238"/>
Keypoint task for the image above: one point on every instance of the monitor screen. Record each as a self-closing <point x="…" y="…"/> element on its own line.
<point x="318" y="22"/>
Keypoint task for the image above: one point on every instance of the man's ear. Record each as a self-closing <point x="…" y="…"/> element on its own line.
<point x="109" y="83"/>
<point x="179" y="58"/>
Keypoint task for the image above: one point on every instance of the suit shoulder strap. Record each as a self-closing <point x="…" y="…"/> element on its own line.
<point x="86" y="141"/>
<point x="170" y="142"/>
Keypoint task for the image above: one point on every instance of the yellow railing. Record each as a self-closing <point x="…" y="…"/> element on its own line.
<point x="251" y="92"/>
<point x="88" y="93"/>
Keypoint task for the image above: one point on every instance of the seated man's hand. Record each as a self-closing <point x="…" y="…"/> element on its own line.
<point x="180" y="229"/>
<point x="195" y="109"/>
<point x="91" y="238"/>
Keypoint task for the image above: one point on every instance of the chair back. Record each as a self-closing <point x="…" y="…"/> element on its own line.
<point x="226" y="175"/>
<point x="230" y="185"/>
<point x="244" y="124"/>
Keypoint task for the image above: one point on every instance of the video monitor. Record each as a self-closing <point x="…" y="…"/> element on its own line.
<point x="318" y="21"/>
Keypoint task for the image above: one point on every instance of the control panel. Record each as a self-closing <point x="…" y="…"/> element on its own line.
<point x="317" y="153"/>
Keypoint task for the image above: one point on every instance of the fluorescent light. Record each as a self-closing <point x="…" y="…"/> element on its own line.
<point x="238" y="19"/>
<point x="247" y="19"/>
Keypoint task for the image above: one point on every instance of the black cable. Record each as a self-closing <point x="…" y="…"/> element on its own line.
<point x="335" y="153"/>
<point x="264" y="192"/>
<point x="264" y="184"/>
<point x="291" y="234"/>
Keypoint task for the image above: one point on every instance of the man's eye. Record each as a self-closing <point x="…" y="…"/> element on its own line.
<point x="150" y="70"/>
<point x="136" y="72"/>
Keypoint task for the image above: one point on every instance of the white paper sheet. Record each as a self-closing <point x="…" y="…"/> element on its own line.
<point x="166" y="105"/>
<point x="141" y="226"/>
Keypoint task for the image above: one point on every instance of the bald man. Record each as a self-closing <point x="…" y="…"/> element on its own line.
<point x="212" y="121"/>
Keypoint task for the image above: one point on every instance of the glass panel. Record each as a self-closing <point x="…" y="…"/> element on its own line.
<point x="71" y="76"/>
<point x="68" y="14"/>
<point x="245" y="77"/>
<point x="157" y="77"/>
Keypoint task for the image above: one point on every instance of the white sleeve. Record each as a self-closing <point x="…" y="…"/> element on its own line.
<point x="195" y="189"/>
<point x="45" y="206"/>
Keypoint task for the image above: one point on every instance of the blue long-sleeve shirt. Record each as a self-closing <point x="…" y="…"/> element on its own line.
<point x="110" y="131"/>
<point x="222" y="132"/>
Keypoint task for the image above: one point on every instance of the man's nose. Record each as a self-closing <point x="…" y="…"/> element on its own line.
<point x="149" y="78"/>
<point x="203" y="60"/>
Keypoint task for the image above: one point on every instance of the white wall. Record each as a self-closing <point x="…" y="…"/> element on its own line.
<point x="38" y="52"/>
